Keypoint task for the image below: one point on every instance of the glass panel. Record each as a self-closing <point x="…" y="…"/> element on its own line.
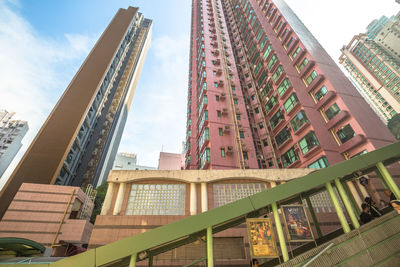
<point x="150" y="199"/>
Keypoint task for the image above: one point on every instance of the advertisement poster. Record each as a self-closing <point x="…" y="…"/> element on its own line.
<point x="297" y="224"/>
<point x="261" y="238"/>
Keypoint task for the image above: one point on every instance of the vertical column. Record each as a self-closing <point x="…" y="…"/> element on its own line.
<point x="193" y="199"/>
<point x="347" y="203"/>
<point x="132" y="261"/>
<point x="120" y="198"/>
<point x="210" y="252"/>
<point x="279" y="229"/>
<point x="339" y="211"/>
<point x="204" y="197"/>
<point x="388" y="179"/>
<point x="354" y="193"/>
<point x="107" y="200"/>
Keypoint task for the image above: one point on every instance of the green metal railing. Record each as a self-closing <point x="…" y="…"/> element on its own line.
<point x="167" y="237"/>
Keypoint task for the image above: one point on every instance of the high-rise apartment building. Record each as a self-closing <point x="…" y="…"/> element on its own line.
<point x="263" y="93"/>
<point x="373" y="61"/>
<point x="79" y="140"/>
<point x="11" y="134"/>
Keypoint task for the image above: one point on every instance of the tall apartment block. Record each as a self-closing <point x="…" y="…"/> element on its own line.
<point x="373" y="61"/>
<point x="263" y="93"/>
<point x="79" y="140"/>
<point x="11" y="134"/>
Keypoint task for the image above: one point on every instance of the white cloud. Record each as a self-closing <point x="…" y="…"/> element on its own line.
<point x="34" y="70"/>
<point x="158" y="113"/>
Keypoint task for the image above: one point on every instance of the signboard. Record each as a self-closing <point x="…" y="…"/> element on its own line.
<point x="296" y="223"/>
<point x="261" y="238"/>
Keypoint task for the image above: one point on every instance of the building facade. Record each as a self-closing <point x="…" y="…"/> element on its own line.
<point x="373" y="61"/>
<point x="171" y="161"/>
<point x="138" y="201"/>
<point x="52" y="215"/>
<point x="128" y="161"/>
<point x="11" y="134"/>
<point x="79" y="140"/>
<point x="263" y="93"/>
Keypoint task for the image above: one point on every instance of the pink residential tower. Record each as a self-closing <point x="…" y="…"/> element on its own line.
<point x="263" y="93"/>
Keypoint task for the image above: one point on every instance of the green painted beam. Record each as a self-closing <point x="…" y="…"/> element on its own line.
<point x="347" y="203"/>
<point x="338" y="208"/>
<point x="210" y="249"/>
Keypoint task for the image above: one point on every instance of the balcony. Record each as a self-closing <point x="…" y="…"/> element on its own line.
<point x="306" y="68"/>
<point x="352" y="143"/>
<point x="337" y="119"/>
<point x="312" y="151"/>
<point x="292" y="46"/>
<point x="281" y="29"/>
<point x="317" y="81"/>
<point x="287" y="36"/>
<point x="276" y="21"/>
<point x="328" y="97"/>
<point x="299" y="56"/>
<point x="272" y="15"/>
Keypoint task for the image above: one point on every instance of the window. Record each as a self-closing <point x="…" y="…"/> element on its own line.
<point x="262" y="78"/>
<point x="222" y="152"/>
<point x="238" y="117"/>
<point x="345" y="133"/>
<point x="219" y="113"/>
<point x="217" y="97"/>
<point x="282" y="136"/>
<point x="204" y="136"/>
<point x="221" y="131"/>
<point x="241" y="133"/>
<point x="267" y="51"/>
<point x="216" y="84"/>
<point x="235" y="101"/>
<point x="303" y="64"/>
<point x="156" y="199"/>
<point x="256" y="110"/>
<point x="277" y="73"/>
<point x="290" y="102"/>
<point x="360" y="153"/>
<point x="265" y="142"/>
<point x="321" y="92"/>
<point x="332" y="111"/>
<point x="233" y="88"/>
<point x="311" y="77"/>
<point x="289" y="42"/>
<point x="227" y="193"/>
<point x="319" y="164"/>
<point x="289" y="157"/>
<point x="299" y="120"/>
<point x="308" y="142"/>
<point x="272" y="61"/>
<point x="285" y="84"/>
<point x="278" y="116"/>
<point x="270" y="104"/>
<point x="205" y="157"/>
<point x="245" y="155"/>
<point x="296" y="52"/>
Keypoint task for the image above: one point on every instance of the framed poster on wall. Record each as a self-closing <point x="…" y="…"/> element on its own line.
<point x="296" y="223"/>
<point x="261" y="238"/>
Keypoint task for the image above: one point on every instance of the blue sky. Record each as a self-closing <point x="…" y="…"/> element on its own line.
<point x="43" y="43"/>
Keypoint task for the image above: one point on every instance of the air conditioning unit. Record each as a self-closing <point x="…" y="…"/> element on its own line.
<point x="230" y="148"/>
<point x="227" y="127"/>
